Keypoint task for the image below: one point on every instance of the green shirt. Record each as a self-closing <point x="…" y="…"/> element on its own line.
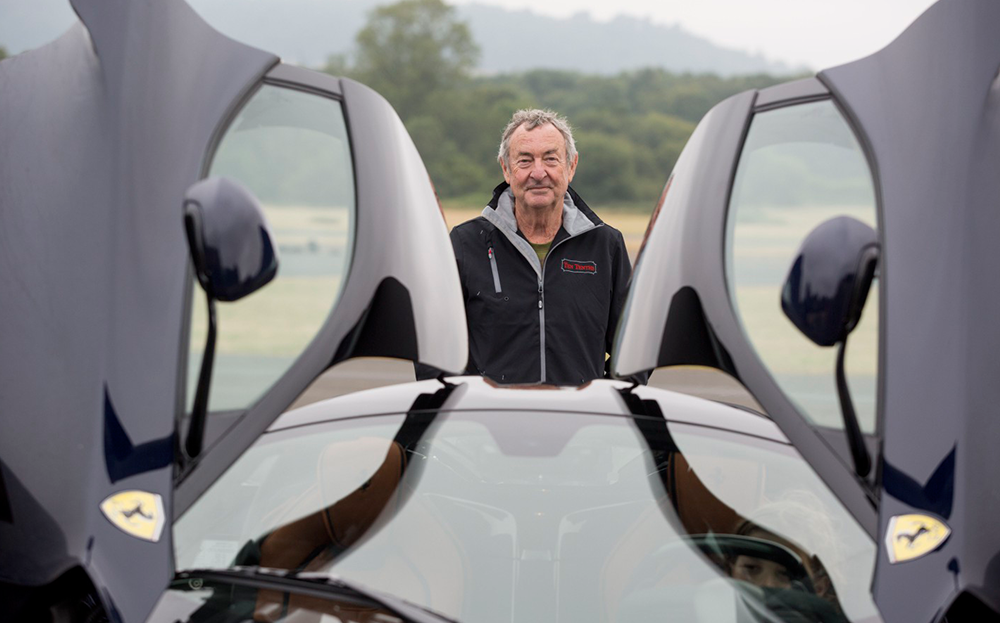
<point x="541" y="250"/>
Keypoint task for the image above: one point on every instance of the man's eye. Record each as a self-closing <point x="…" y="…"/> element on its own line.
<point x="552" y="160"/>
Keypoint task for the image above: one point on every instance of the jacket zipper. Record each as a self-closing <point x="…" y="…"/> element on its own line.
<point x="496" y="274"/>
<point x="541" y="297"/>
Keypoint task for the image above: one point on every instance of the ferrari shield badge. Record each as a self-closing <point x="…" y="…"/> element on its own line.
<point x="138" y="513"/>
<point x="912" y="536"/>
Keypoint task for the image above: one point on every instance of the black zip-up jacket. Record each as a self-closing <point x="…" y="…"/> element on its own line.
<point x="531" y="323"/>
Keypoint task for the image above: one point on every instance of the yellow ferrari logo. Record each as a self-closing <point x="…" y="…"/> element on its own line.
<point x="912" y="536"/>
<point x="138" y="513"/>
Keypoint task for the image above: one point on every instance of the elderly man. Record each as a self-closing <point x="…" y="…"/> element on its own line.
<point x="544" y="278"/>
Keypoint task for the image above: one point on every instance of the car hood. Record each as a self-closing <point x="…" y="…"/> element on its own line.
<point x="927" y="112"/>
<point x="102" y="131"/>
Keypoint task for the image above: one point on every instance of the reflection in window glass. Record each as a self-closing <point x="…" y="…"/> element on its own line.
<point x="291" y="150"/>
<point x="800" y="166"/>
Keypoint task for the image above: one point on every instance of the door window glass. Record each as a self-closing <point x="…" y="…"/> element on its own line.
<point x="291" y="149"/>
<point x="801" y="165"/>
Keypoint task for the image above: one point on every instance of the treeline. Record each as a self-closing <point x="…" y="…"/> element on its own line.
<point x="629" y="128"/>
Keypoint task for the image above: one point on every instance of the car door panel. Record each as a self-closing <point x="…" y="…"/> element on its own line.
<point x="679" y="310"/>
<point x="103" y="130"/>
<point x="101" y="135"/>
<point x="923" y="112"/>
<point x="928" y="103"/>
<point x="401" y="262"/>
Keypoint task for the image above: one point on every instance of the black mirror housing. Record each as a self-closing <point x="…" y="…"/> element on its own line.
<point x="827" y="285"/>
<point x="229" y="238"/>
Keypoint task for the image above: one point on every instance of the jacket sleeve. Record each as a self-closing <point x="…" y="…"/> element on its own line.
<point x="621" y="278"/>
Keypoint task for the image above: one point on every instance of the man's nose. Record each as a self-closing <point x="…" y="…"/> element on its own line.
<point x="538" y="170"/>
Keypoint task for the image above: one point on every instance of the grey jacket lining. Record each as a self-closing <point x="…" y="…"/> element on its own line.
<point x="574" y="221"/>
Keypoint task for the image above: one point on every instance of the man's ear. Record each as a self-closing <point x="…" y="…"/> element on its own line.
<point x="572" y="167"/>
<point x="503" y="167"/>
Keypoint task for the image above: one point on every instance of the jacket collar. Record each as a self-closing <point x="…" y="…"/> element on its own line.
<point x="577" y="219"/>
<point x="577" y="215"/>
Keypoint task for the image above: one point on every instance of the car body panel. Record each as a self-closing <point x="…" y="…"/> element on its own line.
<point x="102" y="131"/>
<point x="678" y="310"/>
<point x="929" y="104"/>
<point x="925" y="110"/>
<point x="101" y="135"/>
<point x="401" y="261"/>
<point x="803" y="90"/>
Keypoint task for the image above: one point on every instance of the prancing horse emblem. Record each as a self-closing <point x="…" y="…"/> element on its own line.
<point x="912" y="536"/>
<point x="138" y="513"/>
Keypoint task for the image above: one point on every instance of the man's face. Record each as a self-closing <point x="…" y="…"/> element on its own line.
<point x="538" y="171"/>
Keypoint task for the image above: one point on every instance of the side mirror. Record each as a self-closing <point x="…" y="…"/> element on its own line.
<point x="828" y="283"/>
<point x="229" y="239"/>
<point x="823" y="296"/>
<point x="233" y="256"/>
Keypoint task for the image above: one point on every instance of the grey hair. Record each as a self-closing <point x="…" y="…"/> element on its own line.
<point x="531" y="119"/>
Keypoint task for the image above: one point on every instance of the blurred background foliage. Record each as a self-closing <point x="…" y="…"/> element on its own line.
<point x="630" y="128"/>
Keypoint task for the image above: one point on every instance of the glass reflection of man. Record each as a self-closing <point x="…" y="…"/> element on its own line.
<point x="762" y="571"/>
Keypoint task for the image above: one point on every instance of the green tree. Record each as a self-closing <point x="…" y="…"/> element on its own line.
<point x="472" y="119"/>
<point x="412" y="49"/>
<point x="607" y="169"/>
<point x="3" y="53"/>
<point x="630" y="127"/>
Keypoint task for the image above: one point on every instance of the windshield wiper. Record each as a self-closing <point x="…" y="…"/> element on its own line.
<point x="317" y="584"/>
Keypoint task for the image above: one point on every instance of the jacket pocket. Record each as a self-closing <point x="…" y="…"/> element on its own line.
<point x="496" y="273"/>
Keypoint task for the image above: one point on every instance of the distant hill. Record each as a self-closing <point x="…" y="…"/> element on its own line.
<point x="306" y="32"/>
<point x="509" y="43"/>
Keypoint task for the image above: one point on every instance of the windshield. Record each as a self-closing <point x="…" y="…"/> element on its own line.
<point x="518" y="516"/>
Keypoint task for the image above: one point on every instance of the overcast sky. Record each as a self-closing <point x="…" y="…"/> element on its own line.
<point x="815" y="33"/>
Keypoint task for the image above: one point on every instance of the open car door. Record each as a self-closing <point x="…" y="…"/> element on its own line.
<point x="784" y="207"/>
<point x="317" y="202"/>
